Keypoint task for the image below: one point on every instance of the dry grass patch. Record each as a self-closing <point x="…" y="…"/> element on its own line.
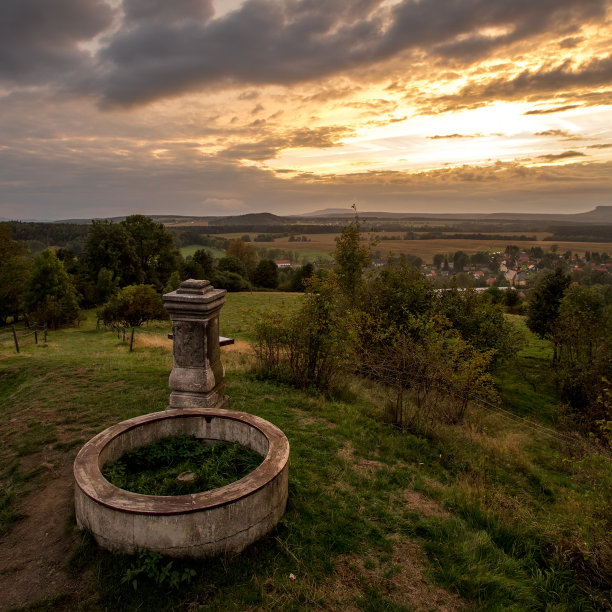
<point x="367" y="466"/>
<point x="239" y="346"/>
<point x="151" y="341"/>
<point x="421" y="504"/>
<point x="399" y="578"/>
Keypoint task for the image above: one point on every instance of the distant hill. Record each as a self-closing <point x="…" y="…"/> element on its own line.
<point x="601" y="214"/>
<point x="250" y="219"/>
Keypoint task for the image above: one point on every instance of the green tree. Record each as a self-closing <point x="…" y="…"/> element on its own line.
<point x="438" y="260"/>
<point x="106" y="285"/>
<point x="300" y="276"/>
<point x="14" y="279"/>
<point x="232" y="264"/>
<point x="156" y="256"/>
<point x="479" y="321"/>
<point x="133" y="306"/>
<point x="545" y="300"/>
<point x="8" y="246"/>
<point x="50" y="297"/>
<point x="15" y="270"/>
<point x="583" y="337"/>
<point x="245" y="253"/>
<point x="351" y="259"/>
<point x="110" y="246"/>
<point x="205" y="259"/>
<point x="230" y="281"/>
<point x="460" y="260"/>
<point x="174" y="282"/>
<point x="266" y="274"/>
<point x="512" y="300"/>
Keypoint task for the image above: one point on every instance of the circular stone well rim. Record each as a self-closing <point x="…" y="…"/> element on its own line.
<point x="91" y="482"/>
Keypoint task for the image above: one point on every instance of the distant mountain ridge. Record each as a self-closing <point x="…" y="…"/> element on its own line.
<point x="600" y="214"/>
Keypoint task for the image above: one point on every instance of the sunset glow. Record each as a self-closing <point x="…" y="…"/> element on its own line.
<point x="225" y="107"/>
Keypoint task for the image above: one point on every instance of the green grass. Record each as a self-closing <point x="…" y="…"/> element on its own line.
<point x="242" y="309"/>
<point x="155" y="469"/>
<point x="495" y="514"/>
<point x="192" y="248"/>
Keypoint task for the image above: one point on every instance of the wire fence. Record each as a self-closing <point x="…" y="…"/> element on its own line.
<point x="577" y="442"/>
<point x="18" y="336"/>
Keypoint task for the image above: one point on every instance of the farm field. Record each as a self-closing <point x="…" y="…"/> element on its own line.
<point x="496" y="513"/>
<point x="323" y="245"/>
<point x="188" y="251"/>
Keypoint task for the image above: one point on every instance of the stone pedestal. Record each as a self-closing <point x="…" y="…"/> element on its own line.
<point x="196" y="379"/>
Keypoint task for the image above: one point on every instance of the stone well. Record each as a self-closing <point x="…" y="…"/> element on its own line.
<point x="202" y="524"/>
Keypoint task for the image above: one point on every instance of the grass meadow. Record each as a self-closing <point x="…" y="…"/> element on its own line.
<point x="499" y="513"/>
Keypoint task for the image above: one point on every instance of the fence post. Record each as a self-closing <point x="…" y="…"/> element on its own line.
<point x="15" y="338"/>
<point x="35" y="337"/>
<point x="132" y="340"/>
<point x="45" y="334"/>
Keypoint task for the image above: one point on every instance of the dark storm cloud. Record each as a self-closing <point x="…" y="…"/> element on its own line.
<point x="39" y="39"/>
<point x="167" y="11"/>
<point x="274" y="42"/>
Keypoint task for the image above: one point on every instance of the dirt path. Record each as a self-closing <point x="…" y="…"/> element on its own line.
<point x="34" y="554"/>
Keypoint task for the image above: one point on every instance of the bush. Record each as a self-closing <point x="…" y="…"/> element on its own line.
<point x="230" y="281"/>
<point x="310" y="348"/>
<point x="431" y="375"/>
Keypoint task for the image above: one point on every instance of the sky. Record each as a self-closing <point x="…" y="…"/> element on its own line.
<point x="223" y="107"/>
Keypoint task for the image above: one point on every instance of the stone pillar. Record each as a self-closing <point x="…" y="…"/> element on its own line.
<point x="196" y="379"/>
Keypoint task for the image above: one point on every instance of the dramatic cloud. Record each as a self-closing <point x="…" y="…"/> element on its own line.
<point x="218" y="106"/>
<point x="138" y="12"/>
<point x="268" y="148"/>
<point x="273" y="42"/>
<point x="40" y="41"/>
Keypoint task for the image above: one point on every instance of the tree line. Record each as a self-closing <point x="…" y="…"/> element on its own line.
<point x="116" y="258"/>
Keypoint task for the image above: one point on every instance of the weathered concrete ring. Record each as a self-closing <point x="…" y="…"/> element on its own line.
<point x="198" y="525"/>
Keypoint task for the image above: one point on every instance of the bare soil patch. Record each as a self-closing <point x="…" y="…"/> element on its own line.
<point x="34" y="554"/>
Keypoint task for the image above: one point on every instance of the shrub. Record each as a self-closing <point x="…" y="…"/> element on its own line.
<point x="430" y="373"/>
<point x="310" y="348"/>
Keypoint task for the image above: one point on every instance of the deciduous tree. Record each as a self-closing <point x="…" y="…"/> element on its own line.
<point x="133" y="306"/>
<point x="50" y="297"/>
